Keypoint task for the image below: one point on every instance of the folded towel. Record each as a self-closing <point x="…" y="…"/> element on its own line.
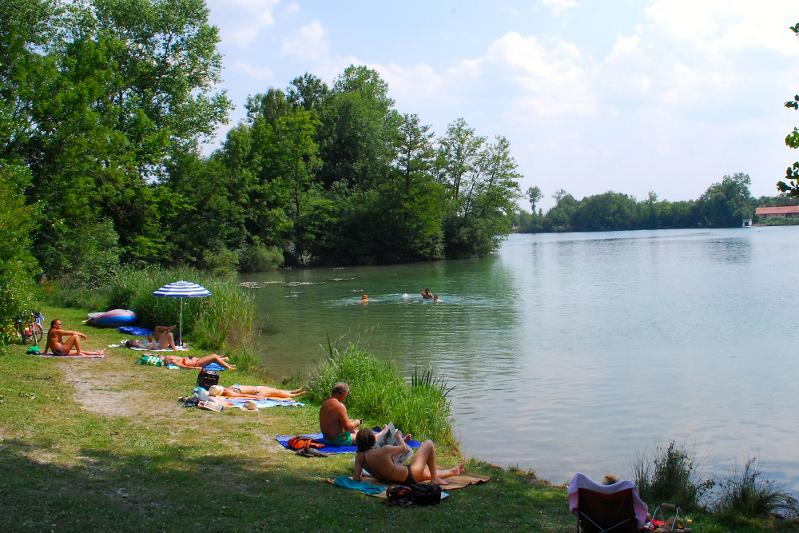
<point x="348" y="483"/>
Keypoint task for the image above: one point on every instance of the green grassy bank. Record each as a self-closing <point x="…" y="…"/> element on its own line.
<point x="92" y="444"/>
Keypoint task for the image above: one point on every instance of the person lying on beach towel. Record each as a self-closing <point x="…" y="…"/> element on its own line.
<point x="381" y="464"/>
<point x="254" y="392"/>
<point x="189" y="362"/>
<point x="162" y="339"/>
<point x="65" y="342"/>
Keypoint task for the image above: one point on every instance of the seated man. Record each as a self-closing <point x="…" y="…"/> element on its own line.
<point x="380" y="462"/>
<point x="255" y="392"/>
<point x="164" y="340"/>
<point x="337" y="427"/>
<point x="60" y="346"/>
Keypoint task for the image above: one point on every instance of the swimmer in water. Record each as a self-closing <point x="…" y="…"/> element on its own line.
<point x="364" y="298"/>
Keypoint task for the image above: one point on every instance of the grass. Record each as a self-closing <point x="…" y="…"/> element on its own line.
<point x="378" y="392"/>
<point x="93" y="445"/>
<point x="670" y="475"/>
<point x="745" y="494"/>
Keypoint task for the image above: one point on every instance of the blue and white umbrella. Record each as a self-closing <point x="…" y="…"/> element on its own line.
<point x="182" y="289"/>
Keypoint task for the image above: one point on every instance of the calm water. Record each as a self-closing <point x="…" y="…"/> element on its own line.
<point x="578" y="351"/>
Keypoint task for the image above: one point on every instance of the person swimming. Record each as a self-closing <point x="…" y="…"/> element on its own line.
<point x="426" y="294"/>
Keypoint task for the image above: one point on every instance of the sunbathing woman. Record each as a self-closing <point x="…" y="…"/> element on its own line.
<point x="380" y="461"/>
<point x="197" y="362"/>
<point x="60" y="346"/>
<point x="164" y="340"/>
<point x="255" y="392"/>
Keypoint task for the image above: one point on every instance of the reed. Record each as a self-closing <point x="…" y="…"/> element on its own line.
<point x="747" y="494"/>
<point x="380" y="394"/>
<point x="670" y="475"/>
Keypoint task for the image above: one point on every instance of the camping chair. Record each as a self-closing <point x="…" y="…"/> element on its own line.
<point x="615" y="508"/>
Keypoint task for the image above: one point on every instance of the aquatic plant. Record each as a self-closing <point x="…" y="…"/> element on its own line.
<point x="670" y="475"/>
<point x="380" y="394"/>
<point x="746" y="494"/>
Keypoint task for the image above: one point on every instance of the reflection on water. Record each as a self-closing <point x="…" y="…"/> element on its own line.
<point x="581" y="349"/>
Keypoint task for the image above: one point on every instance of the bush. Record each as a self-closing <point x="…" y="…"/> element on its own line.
<point x="747" y="494"/>
<point x="220" y="261"/>
<point x="221" y="322"/>
<point x="670" y="476"/>
<point x="260" y="258"/>
<point x="380" y="394"/>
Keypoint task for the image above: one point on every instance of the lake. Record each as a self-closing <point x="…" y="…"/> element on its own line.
<point x="579" y="351"/>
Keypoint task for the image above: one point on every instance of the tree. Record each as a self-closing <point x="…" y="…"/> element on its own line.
<point x="792" y="141"/>
<point x="307" y="91"/>
<point x="725" y="204"/>
<point x="534" y="195"/>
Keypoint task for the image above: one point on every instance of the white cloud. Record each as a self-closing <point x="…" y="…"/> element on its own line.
<point x="551" y="81"/>
<point x="241" y="20"/>
<point x="309" y="43"/>
<point x="558" y="7"/>
<point x="254" y="72"/>
<point x="292" y="8"/>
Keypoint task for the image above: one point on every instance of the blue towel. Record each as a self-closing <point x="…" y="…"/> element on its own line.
<point x="135" y="330"/>
<point x="266" y="402"/>
<point x="349" y="483"/>
<point x="213" y="367"/>
<point x="284" y="441"/>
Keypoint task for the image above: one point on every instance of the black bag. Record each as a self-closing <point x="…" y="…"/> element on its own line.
<point x="207" y="379"/>
<point x="414" y="494"/>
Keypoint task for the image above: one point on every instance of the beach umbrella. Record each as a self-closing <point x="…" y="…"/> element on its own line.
<point x="182" y="289"/>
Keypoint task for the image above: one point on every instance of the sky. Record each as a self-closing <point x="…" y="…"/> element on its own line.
<point x="630" y="96"/>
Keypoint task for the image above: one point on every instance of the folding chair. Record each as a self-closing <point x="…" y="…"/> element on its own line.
<point x="599" y="508"/>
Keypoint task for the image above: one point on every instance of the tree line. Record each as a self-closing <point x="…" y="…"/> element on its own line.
<point x="723" y="205"/>
<point x="105" y="104"/>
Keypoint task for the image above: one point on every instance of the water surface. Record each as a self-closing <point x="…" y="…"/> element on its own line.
<point x="576" y="352"/>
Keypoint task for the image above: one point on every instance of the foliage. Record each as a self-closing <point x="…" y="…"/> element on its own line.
<point x="791" y="183"/>
<point x="670" y="475"/>
<point x="380" y="394"/>
<point x="747" y="494"/>
<point x="257" y="257"/>
<point x="17" y="265"/>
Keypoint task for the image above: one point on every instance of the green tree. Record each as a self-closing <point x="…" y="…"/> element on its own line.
<point x="725" y="204"/>
<point x="534" y="195"/>
<point x="610" y="211"/>
<point x="559" y="218"/>
<point x="791" y="185"/>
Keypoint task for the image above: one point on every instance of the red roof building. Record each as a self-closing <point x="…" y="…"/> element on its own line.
<point x="788" y="211"/>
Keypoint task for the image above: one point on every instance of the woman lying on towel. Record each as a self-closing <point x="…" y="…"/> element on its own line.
<point x="196" y="362"/>
<point x="380" y="461"/>
<point x="254" y="392"/>
<point x="162" y="339"/>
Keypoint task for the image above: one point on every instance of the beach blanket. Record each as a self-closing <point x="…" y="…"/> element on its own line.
<point x="135" y="330"/>
<point x="69" y="356"/>
<point x="284" y="441"/>
<point x="266" y="402"/>
<point x="348" y="483"/>
<point x="454" y="483"/>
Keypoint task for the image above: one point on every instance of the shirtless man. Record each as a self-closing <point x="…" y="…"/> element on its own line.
<point x="254" y="392"/>
<point x="164" y="340"/>
<point x="380" y="462"/>
<point x="337" y="427"/>
<point x="59" y="346"/>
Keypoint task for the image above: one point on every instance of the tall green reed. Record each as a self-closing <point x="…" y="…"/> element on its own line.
<point x="380" y="394"/>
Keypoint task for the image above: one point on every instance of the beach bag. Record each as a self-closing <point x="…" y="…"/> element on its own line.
<point x="298" y="442"/>
<point x="207" y="379"/>
<point x="413" y="494"/>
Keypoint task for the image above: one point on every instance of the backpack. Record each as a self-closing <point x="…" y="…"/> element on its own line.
<point x="413" y="494"/>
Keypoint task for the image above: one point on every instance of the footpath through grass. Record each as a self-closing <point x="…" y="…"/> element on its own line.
<point x="102" y="444"/>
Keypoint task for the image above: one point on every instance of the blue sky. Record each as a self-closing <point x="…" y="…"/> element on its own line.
<point x="630" y="96"/>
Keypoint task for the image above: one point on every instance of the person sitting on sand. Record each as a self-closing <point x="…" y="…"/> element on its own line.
<point x="162" y="339"/>
<point x="197" y="362"/>
<point x="426" y="294"/>
<point x="60" y="346"/>
<point x="254" y="392"/>
<point x="336" y="425"/>
<point x="381" y="464"/>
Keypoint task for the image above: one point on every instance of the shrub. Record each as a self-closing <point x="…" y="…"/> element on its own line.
<point x="260" y="258"/>
<point x="747" y="494"/>
<point x="670" y="476"/>
<point x="380" y="394"/>
<point x="220" y="261"/>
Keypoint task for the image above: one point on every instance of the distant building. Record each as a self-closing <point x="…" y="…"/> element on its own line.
<point x="788" y="211"/>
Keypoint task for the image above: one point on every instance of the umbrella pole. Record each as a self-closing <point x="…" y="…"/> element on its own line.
<point x="181" y="322"/>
